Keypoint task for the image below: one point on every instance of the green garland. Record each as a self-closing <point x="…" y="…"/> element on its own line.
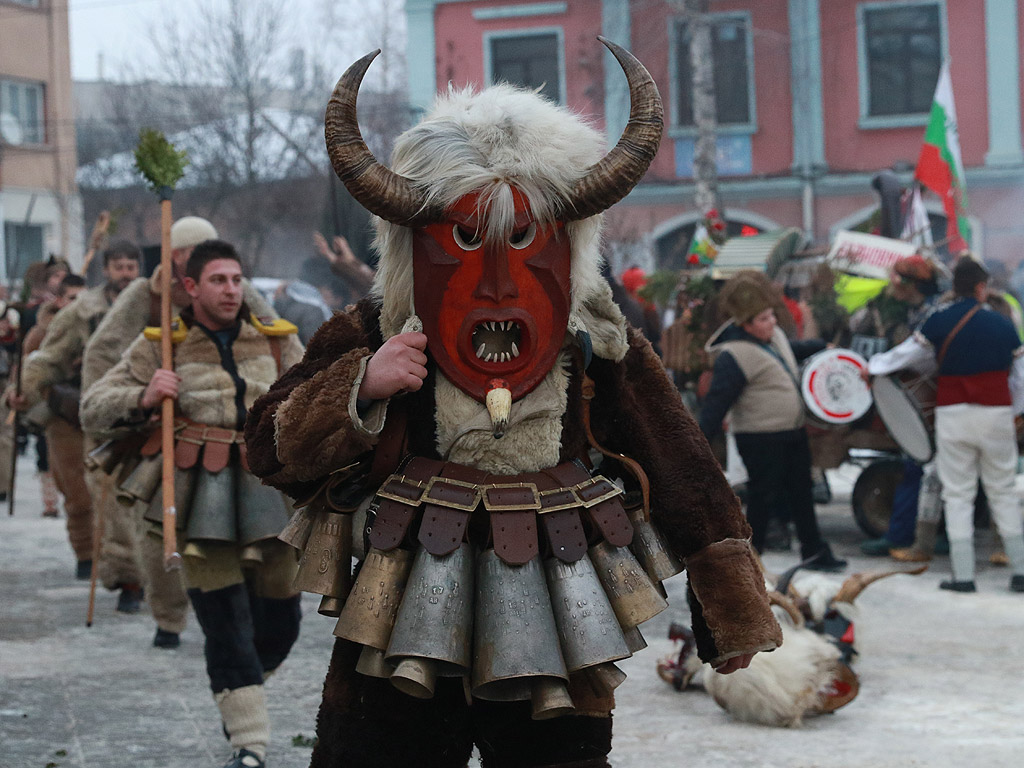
<point x="160" y="164"/>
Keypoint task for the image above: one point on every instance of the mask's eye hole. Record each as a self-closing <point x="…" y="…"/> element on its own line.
<point x="523" y="237"/>
<point x="466" y="239"/>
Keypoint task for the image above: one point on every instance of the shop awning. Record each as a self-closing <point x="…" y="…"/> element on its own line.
<point x="765" y="252"/>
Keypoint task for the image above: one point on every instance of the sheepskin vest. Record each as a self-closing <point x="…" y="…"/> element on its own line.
<point x="771" y="401"/>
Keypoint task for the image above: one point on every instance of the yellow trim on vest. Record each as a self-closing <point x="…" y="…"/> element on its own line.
<point x="277" y="326"/>
<point x="178" y="332"/>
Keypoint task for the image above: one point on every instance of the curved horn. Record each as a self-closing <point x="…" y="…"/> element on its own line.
<point x="618" y="172"/>
<point x="377" y="188"/>
<point x="856" y="583"/>
<point x="787" y="604"/>
<point x="787" y="576"/>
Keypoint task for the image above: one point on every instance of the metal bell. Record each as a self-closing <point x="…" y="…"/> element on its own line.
<point x="515" y="634"/>
<point x="296" y="533"/>
<point x="633" y="596"/>
<point x="184" y="490"/>
<point x="651" y="549"/>
<point x="605" y="678"/>
<point x="432" y="632"/>
<point x="372" y="605"/>
<point x="331" y="606"/>
<point x="325" y="567"/>
<point x="634" y="639"/>
<point x="192" y="549"/>
<point x="262" y="510"/>
<point x="142" y="483"/>
<point x="550" y="698"/>
<point x="104" y="457"/>
<point x="212" y="515"/>
<point x="251" y="555"/>
<point x="587" y="628"/>
<point x="372" y="664"/>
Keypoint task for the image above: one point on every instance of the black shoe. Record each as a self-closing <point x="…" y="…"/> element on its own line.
<point x="962" y="586"/>
<point x="243" y="758"/>
<point x="165" y="639"/>
<point x="130" y="599"/>
<point x="1017" y="583"/>
<point x="825" y="561"/>
<point x="83" y="571"/>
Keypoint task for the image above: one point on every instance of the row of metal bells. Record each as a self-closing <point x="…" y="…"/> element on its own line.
<point x="298" y="530"/>
<point x="372" y="605"/>
<point x="434" y="626"/>
<point x="233" y="506"/>
<point x="143" y="482"/>
<point x="325" y="567"/>
<point x="651" y="549"/>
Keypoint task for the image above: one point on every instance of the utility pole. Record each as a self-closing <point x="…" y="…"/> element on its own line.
<point x="705" y="114"/>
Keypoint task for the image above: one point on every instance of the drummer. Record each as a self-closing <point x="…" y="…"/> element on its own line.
<point x="755" y="379"/>
<point x="980" y="363"/>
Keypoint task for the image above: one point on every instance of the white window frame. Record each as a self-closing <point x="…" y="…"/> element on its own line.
<point x="505" y="34"/>
<point x="868" y="120"/>
<point x="679" y="131"/>
<point x="7" y="86"/>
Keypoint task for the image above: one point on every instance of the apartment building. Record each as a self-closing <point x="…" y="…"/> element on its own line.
<point x="40" y="207"/>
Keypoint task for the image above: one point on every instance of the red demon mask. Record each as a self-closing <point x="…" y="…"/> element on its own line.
<point x="492" y="309"/>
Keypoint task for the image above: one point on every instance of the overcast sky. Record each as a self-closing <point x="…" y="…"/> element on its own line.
<point x="119" y="29"/>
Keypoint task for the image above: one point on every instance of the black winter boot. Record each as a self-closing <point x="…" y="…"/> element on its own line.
<point x="243" y="758"/>
<point x="825" y="561"/>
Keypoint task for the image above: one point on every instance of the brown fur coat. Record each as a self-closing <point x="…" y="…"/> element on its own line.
<point x="303" y="429"/>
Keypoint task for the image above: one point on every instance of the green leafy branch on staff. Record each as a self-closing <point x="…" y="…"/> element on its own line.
<point x="160" y="164"/>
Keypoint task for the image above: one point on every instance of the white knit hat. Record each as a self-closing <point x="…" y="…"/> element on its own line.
<point x="189" y="231"/>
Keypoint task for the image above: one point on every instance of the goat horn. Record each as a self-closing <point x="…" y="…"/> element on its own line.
<point x="618" y="172"/>
<point x="377" y="188"/>
<point x="787" y="604"/>
<point x="856" y="583"/>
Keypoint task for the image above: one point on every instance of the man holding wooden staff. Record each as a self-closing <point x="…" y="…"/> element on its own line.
<point x="137" y="307"/>
<point x="239" y="576"/>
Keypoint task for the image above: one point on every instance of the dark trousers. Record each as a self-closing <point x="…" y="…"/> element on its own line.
<point x="904" y="506"/>
<point x="367" y="722"/>
<point x="779" y="485"/>
<point x="246" y="635"/>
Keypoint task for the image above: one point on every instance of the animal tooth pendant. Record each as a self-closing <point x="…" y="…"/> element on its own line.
<point x="499" y="406"/>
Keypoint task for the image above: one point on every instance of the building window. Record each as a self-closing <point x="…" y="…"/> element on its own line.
<point x="733" y="71"/>
<point x="532" y="60"/>
<point x="902" y="46"/>
<point x="23" y="245"/>
<point x="21" y="112"/>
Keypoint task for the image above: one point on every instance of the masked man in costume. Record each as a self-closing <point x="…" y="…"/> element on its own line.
<point x="239" y="576"/>
<point x="488" y="352"/>
<point x="137" y="307"/>
<point x="53" y="374"/>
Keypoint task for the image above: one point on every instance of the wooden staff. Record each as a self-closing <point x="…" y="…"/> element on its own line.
<point x="163" y="166"/>
<point x="97" y="550"/>
<point x="172" y="559"/>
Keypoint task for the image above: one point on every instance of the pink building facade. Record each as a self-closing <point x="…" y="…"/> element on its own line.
<point x="814" y="98"/>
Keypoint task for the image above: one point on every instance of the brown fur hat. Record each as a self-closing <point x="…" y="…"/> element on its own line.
<point x="746" y="295"/>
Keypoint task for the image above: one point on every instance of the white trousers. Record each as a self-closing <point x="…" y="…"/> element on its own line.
<point x="975" y="441"/>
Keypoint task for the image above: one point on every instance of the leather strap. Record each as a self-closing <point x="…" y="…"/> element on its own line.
<point x="399" y="499"/>
<point x="589" y="390"/>
<point x="956" y="329"/>
<point x="448" y="503"/>
<point x="513" y="522"/>
<point x="560" y="511"/>
<point x="275" y="350"/>
<point x="391" y="443"/>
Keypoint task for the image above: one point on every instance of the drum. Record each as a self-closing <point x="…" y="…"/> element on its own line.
<point x="832" y="387"/>
<point x="906" y="404"/>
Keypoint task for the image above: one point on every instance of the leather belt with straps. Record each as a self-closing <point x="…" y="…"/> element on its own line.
<point x="450" y="493"/>
<point x="191" y="438"/>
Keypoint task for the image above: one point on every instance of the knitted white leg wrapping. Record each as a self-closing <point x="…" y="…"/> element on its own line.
<point x="244" y="711"/>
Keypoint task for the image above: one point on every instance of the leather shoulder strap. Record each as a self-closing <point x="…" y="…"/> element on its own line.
<point x="956" y="329"/>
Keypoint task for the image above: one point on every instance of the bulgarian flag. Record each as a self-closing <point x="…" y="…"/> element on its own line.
<point x="940" y="166"/>
<point x="702" y="249"/>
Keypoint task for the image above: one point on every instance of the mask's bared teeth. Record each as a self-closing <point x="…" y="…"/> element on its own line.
<point x="480" y="350"/>
<point x="515" y="350"/>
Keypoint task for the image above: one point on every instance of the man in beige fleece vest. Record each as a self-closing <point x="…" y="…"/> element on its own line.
<point x="755" y="380"/>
